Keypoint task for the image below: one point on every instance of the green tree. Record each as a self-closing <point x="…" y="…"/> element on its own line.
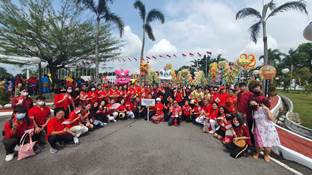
<point x="303" y="75"/>
<point x="35" y="28"/>
<point x="102" y="11"/>
<point x="147" y="18"/>
<point x="275" y="56"/>
<point x="269" y="10"/>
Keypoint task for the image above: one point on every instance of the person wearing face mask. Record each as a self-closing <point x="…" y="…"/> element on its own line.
<point x="14" y="129"/>
<point x="23" y="100"/>
<point x="83" y="96"/>
<point x="63" y="100"/>
<point x="40" y="116"/>
<point x="241" y="137"/>
<point x="93" y="95"/>
<point x="265" y="134"/>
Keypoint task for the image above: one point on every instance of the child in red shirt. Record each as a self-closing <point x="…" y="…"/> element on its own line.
<point x="186" y="112"/>
<point x="176" y="113"/>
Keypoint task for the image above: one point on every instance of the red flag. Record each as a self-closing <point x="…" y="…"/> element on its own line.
<point x="124" y="60"/>
<point x="135" y="59"/>
<point x="208" y="52"/>
<point x="148" y="57"/>
<point x="168" y="56"/>
<point x="191" y="54"/>
<point x="160" y="56"/>
<point x="174" y="55"/>
<point x="154" y="57"/>
<point x="129" y="59"/>
<point x="199" y="54"/>
<point x="183" y="54"/>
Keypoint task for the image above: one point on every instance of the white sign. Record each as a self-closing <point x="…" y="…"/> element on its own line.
<point x="148" y="102"/>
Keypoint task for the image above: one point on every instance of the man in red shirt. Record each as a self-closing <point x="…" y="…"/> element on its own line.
<point x="159" y="113"/>
<point x="57" y="131"/>
<point x="122" y="110"/>
<point x="196" y="112"/>
<point x="40" y="116"/>
<point x="130" y="107"/>
<point x="14" y="129"/>
<point x="23" y="100"/>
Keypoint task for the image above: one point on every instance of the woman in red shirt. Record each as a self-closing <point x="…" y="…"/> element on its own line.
<point x="159" y="115"/>
<point x="58" y="132"/>
<point x="231" y="102"/>
<point x="186" y="112"/>
<point x="62" y="99"/>
<point x="176" y="113"/>
<point x="14" y="129"/>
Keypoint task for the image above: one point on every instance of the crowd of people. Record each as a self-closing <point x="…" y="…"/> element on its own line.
<point x="239" y="116"/>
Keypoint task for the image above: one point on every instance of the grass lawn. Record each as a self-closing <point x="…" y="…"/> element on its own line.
<point x="302" y="105"/>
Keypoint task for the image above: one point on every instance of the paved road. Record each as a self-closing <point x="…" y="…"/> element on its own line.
<point x="140" y="148"/>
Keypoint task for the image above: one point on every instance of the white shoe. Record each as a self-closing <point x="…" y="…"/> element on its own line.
<point x="53" y="151"/>
<point x="76" y="140"/>
<point x="9" y="157"/>
<point x="104" y="124"/>
<point x="114" y="121"/>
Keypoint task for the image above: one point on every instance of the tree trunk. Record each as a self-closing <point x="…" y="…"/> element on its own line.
<point x="40" y="75"/>
<point x="142" y="54"/>
<point x="265" y="43"/>
<point x="53" y="71"/>
<point x="97" y="50"/>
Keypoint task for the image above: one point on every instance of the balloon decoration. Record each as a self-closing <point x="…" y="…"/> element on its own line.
<point x="122" y="77"/>
<point x="247" y="61"/>
<point x="267" y="72"/>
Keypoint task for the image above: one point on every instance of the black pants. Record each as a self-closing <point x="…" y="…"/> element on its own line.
<point x="187" y="118"/>
<point x="40" y="137"/>
<point x="9" y="144"/>
<point x="53" y="139"/>
<point x="174" y="119"/>
<point x="101" y="117"/>
<point x="236" y="151"/>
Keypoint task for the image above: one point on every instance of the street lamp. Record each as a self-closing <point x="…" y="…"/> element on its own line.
<point x="307" y="33"/>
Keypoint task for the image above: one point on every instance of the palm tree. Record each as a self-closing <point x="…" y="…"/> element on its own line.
<point x="275" y="56"/>
<point x="151" y="16"/>
<point x="269" y="10"/>
<point x="101" y="11"/>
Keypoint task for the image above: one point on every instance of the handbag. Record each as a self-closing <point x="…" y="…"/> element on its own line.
<point x="241" y="143"/>
<point x="26" y="150"/>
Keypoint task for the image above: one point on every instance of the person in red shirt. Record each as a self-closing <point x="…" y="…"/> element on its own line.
<point x="222" y="124"/>
<point x="186" y="112"/>
<point x="212" y="116"/>
<point x="196" y="112"/>
<point x="231" y="102"/>
<point x="122" y="110"/>
<point x="178" y="95"/>
<point x="93" y="95"/>
<point x="243" y="98"/>
<point x="111" y="113"/>
<point x="240" y="132"/>
<point x="40" y="116"/>
<point x="130" y="107"/>
<point x="23" y="100"/>
<point x="14" y="129"/>
<point x="176" y="113"/>
<point x="62" y="99"/>
<point x="83" y="96"/>
<point x="159" y="113"/>
<point x="76" y="126"/>
<point x="58" y="132"/>
<point x="222" y="96"/>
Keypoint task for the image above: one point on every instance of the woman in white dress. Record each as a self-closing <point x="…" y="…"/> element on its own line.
<point x="264" y="131"/>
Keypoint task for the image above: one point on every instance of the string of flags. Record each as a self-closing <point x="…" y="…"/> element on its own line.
<point x="155" y="57"/>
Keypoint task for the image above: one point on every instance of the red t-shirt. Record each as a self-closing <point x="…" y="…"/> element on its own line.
<point x="178" y="97"/>
<point x="197" y="110"/>
<point x="213" y="114"/>
<point x="19" y="131"/>
<point x="187" y="110"/>
<point x="39" y="114"/>
<point x="129" y="106"/>
<point x="176" y="111"/>
<point x="222" y="98"/>
<point x="231" y="103"/>
<point x="64" y="104"/>
<point x="72" y="116"/>
<point x="93" y="96"/>
<point x="55" y="125"/>
<point x="121" y="108"/>
<point x="159" y="108"/>
<point x="242" y="102"/>
<point x="242" y="131"/>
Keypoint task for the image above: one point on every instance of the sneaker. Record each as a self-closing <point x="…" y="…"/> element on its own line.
<point x="114" y="121"/>
<point x="53" y="151"/>
<point x="9" y="157"/>
<point x="76" y="140"/>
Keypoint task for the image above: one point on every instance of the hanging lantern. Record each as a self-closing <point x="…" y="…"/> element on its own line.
<point x="307" y="33"/>
<point x="267" y="72"/>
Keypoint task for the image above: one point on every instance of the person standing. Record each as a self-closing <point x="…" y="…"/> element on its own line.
<point x="265" y="133"/>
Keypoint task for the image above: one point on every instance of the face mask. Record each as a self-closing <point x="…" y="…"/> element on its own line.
<point x="20" y="116"/>
<point x="236" y="124"/>
<point x="40" y="103"/>
<point x="69" y="91"/>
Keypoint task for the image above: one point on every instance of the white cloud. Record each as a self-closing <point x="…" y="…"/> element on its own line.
<point x="257" y="48"/>
<point x="162" y="47"/>
<point x="132" y="43"/>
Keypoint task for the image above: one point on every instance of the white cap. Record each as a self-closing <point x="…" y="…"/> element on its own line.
<point x="158" y="99"/>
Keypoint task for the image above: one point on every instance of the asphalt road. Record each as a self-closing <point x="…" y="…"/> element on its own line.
<point x="140" y="148"/>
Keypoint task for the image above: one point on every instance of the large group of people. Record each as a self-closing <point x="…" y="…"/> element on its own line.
<point x="239" y="116"/>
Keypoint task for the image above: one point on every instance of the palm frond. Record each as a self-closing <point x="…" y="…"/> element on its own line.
<point x="141" y="7"/>
<point x="88" y="4"/>
<point x="271" y="5"/>
<point x="254" y="31"/>
<point x="293" y="5"/>
<point x="111" y="17"/>
<point x="102" y="6"/>
<point x="155" y="14"/>
<point x="248" y="12"/>
<point x="148" y="29"/>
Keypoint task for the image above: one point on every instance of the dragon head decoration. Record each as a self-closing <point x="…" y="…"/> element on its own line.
<point x="122" y="77"/>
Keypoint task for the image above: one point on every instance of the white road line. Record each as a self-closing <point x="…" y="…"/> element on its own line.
<point x="286" y="166"/>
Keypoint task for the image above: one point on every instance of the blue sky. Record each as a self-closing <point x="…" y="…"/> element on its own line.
<point x="201" y="25"/>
